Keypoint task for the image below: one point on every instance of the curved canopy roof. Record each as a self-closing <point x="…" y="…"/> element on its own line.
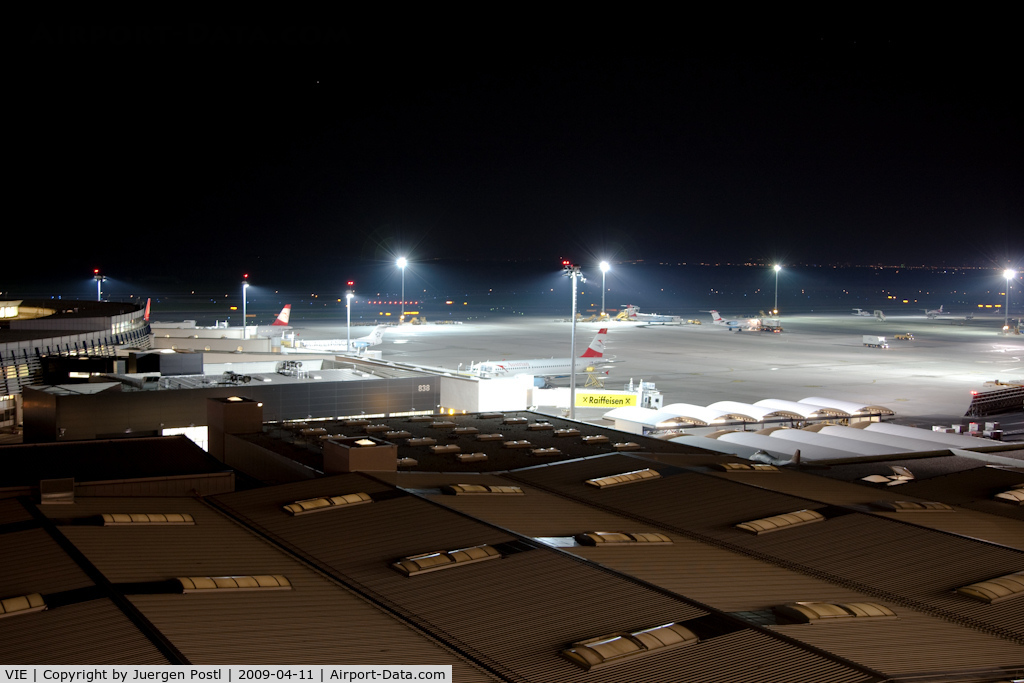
<point x="849" y="406"/>
<point x="849" y="446"/>
<point x="780" y="448"/>
<point x="802" y="409"/>
<point x="706" y="416"/>
<point x="910" y="444"/>
<point x="758" y="412"/>
<point x="945" y="440"/>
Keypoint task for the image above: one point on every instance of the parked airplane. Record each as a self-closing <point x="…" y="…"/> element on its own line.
<point x="633" y="314"/>
<point x="280" y="324"/>
<point x="358" y="345"/>
<point x="734" y="324"/>
<point x="935" y="313"/>
<point x="546" y="367"/>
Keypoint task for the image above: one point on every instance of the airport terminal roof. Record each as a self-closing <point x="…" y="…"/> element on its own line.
<point x="722" y="412"/>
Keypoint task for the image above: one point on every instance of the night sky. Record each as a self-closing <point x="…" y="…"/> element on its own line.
<point x="178" y="155"/>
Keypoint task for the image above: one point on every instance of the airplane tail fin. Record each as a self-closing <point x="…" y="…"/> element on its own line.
<point x="596" y="348"/>
<point x="716" y="317"/>
<point x="146" y="314"/>
<point x="378" y="334"/>
<point x="284" y="315"/>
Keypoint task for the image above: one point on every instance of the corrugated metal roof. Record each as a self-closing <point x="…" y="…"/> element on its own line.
<point x="972" y="489"/>
<point x="315" y="621"/>
<point x="513" y="615"/>
<point x="897" y="561"/>
<point x="914" y="644"/>
<point x="92" y="632"/>
<point x="32" y="562"/>
<point x="967" y="522"/>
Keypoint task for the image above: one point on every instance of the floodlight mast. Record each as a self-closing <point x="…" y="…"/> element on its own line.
<point x="777" y="269"/>
<point x="402" y="263"/>
<point x="245" y="286"/>
<point x="572" y="271"/>
<point x="605" y="267"/>
<point x="348" y="317"/>
<point x="99" y="283"/>
<point x="1009" y="274"/>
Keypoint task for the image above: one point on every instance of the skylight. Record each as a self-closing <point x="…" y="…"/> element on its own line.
<point x="624" y="478"/>
<point x="616" y="647"/>
<point x="302" y="507"/>
<point x="446" y="559"/>
<point x="778" y="522"/>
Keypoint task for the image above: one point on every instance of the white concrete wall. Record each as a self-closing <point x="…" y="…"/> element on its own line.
<point x="482" y="395"/>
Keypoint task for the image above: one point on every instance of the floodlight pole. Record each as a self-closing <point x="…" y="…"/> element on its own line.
<point x="573" y="272"/>
<point x="348" y="321"/>
<point x="402" y="263"/>
<point x="245" y="329"/>
<point x="1009" y="275"/>
<point x="99" y="284"/>
<point x="777" y="269"/>
<point x="605" y="267"/>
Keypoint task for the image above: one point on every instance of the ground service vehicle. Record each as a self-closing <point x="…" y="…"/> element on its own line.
<point x="875" y="342"/>
<point x="904" y="337"/>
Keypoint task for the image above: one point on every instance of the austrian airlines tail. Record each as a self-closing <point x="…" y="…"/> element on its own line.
<point x="596" y="348"/>
<point x="284" y="315"/>
<point x="146" y="315"/>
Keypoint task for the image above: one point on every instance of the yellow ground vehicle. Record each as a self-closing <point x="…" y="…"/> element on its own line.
<point x="904" y="337"/>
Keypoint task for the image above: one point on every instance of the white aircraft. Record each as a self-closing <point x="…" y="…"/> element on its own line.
<point x="359" y="345"/>
<point x="749" y="324"/>
<point x="546" y="367"/>
<point x="935" y="313"/>
<point x="279" y="325"/>
<point x="633" y="314"/>
<point x="275" y="329"/>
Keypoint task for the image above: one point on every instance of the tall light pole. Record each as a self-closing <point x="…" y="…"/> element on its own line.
<point x="99" y="283"/>
<point x="574" y="272"/>
<point x="245" y="286"/>
<point x="348" y="319"/>
<point x="777" y="269"/>
<point x="402" y="263"/>
<point x="605" y="267"/>
<point x="1009" y="274"/>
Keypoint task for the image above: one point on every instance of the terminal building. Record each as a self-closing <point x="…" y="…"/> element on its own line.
<point x="34" y="333"/>
<point x="348" y="509"/>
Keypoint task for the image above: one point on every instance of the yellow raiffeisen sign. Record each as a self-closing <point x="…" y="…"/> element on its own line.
<point x="594" y="400"/>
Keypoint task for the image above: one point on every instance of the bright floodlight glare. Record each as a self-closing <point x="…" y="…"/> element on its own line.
<point x="778" y="268"/>
<point x="1009" y="274"/>
<point x="402" y="263"/>
<point x="605" y="267"/>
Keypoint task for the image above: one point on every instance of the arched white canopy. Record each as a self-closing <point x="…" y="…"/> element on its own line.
<point x="783" y="449"/>
<point x="944" y="440"/>
<point x="910" y="444"/>
<point x="801" y="410"/>
<point x="850" y="446"/>
<point x="850" y="407"/>
<point x="759" y="413"/>
<point x="700" y="415"/>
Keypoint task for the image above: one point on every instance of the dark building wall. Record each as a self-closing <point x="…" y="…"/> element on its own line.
<point x="141" y="412"/>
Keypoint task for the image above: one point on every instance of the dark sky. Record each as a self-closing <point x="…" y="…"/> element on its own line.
<point x="200" y="151"/>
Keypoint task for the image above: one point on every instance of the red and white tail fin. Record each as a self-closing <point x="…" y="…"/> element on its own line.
<point x="596" y="348"/>
<point x="631" y="311"/>
<point x="146" y="315"/>
<point x="716" y="317"/>
<point x="284" y="315"/>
